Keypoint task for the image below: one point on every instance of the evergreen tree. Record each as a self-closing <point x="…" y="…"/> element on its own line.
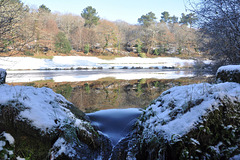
<point x="173" y="19"/>
<point x="12" y="12"/>
<point x="188" y="19"/>
<point x="147" y="20"/>
<point x="44" y="8"/>
<point x="86" y="48"/>
<point x="90" y="16"/>
<point x="165" y="17"/>
<point x="183" y="19"/>
<point x="62" y="44"/>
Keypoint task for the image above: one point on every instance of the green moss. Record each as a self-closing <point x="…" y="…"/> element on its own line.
<point x="65" y="90"/>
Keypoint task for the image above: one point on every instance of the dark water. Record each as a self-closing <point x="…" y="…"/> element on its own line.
<point x="115" y="123"/>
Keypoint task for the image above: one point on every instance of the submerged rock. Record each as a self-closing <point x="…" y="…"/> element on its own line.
<point x="46" y="126"/>
<point x="230" y="73"/>
<point x="198" y="121"/>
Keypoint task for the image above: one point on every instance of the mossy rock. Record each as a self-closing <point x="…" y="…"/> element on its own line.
<point x="59" y="119"/>
<point x="228" y="74"/>
<point x="215" y="135"/>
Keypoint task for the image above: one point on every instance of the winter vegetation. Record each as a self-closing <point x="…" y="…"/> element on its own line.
<point x="219" y="25"/>
<point x="39" y="31"/>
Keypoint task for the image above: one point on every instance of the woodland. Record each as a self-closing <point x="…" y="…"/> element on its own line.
<point x="31" y="31"/>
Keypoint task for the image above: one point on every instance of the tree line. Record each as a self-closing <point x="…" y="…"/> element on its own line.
<point x="40" y="30"/>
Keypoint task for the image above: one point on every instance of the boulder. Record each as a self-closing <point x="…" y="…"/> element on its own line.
<point x="230" y="73"/>
<point x="45" y="125"/>
<point x="3" y="75"/>
<point x="199" y="121"/>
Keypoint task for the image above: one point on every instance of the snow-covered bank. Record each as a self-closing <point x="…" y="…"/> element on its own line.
<point x="68" y="62"/>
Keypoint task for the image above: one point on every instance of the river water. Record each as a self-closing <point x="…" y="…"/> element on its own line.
<point x="115" y="123"/>
<point x="93" y="75"/>
<point x="114" y="97"/>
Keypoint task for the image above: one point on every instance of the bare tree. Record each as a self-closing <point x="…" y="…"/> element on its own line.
<point x="219" y="23"/>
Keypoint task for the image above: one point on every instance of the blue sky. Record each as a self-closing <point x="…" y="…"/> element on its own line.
<point x="126" y="10"/>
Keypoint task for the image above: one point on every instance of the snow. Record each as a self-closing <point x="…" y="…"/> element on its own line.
<point x="2" y="70"/>
<point x="63" y="147"/>
<point x="9" y="138"/>
<point x="236" y="157"/>
<point x="19" y="158"/>
<point x="170" y="113"/>
<point x="67" y="62"/>
<point x="229" y="68"/>
<point x="42" y="107"/>
<point x="2" y="144"/>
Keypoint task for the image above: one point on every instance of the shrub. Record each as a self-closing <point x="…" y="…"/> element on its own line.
<point x="87" y="87"/>
<point x="156" y="52"/>
<point x="86" y="49"/>
<point x="28" y="53"/>
<point x="62" y="44"/>
<point x="142" y="55"/>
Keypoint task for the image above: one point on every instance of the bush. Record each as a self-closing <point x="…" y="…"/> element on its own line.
<point x="142" y="55"/>
<point x="28" y="53"/>
<point x="156" y="52"/>
<point x="139" y="46"/>
<point x="62" y="44"/>
<point x="86" y="49"/>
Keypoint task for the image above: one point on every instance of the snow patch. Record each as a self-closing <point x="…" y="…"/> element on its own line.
<point x="63" y="148"/>
<point x="9" y="138"/>
<point x="229" y="68"/>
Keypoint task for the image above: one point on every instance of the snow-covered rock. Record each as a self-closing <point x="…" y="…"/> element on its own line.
<point x="3" y="75"/>
<point x="199" y="121"/>
<point x="40" y="120"/>
<point x="230" y="73"/>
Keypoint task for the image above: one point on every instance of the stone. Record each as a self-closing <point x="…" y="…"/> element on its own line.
<point x="3" y="75"/>
<point x="230" y="73"/>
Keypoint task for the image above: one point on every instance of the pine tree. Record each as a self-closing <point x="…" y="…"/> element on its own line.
<point x="90" y="16"/>
<point x="147" y="20"/>
<point x="44" y="8"/>
<point x="165" y="16"/>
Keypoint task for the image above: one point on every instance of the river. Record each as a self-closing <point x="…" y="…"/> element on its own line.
<point x="112" y="99"/>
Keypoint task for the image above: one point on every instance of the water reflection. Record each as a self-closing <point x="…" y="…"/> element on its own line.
<point x="109" y="93"/>
<point x="93" y="75"/>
